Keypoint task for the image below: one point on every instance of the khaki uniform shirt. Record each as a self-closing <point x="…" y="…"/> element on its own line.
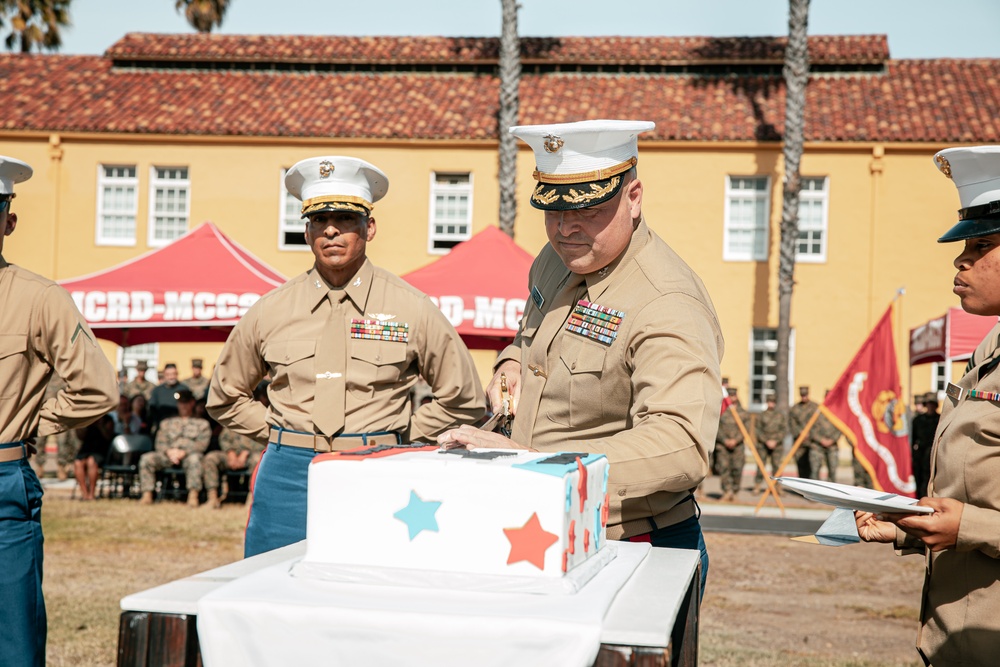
<point x="280" y="334"/>
<point x="198" y="386"/>
<point x="42" y="331"/>
<point x="799" y="415"/>
<point x="139" y="386"/>
<point x="771" y="425"/>
<point x="192" y="434"/>
<point x="649" y="400"/>
<point x="960" y="614"/>
<point x="230" y="441"/>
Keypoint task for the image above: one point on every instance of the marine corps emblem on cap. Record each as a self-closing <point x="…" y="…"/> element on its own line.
<point x="336" y="183"/>
<point x="582" y="164"/>
<point x="975" y="171"/>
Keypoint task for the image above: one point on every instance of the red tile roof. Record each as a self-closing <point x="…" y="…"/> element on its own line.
<point x="451" y="50"/>
<point x="906" y="101"/>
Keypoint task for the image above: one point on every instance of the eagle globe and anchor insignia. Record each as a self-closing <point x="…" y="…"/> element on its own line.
<point x="889" y="414"/>
<point x="552" y="143"/>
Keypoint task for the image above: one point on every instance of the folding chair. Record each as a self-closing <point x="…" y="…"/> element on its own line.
<point x="121" y="466"/>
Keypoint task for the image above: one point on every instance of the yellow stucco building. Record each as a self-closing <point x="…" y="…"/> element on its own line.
<point x="165" y="132"/>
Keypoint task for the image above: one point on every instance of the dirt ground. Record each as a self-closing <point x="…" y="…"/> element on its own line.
<point x="770" y="601"/>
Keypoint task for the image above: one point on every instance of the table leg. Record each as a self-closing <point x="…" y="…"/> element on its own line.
<point x="158" y="640"/>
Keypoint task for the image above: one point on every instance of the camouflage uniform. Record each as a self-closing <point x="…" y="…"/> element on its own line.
<point x="730" y="461"/>
<point x="139" y="385"/>
<point x="198" y="386"/>
<point x="66" y="443"/>
<point x="215" y="463"/>
<point x="191" y="434"/>
<point x="819" y="454"/>
<point x="771" y="425"/>
<point x="798" y="416"/>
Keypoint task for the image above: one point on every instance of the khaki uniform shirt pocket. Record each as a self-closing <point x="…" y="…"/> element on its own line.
<point x="374" y="363"/>
<point x="12" y="361"/>
<point x="293" y="370"/>
<point x="581" y="365"/>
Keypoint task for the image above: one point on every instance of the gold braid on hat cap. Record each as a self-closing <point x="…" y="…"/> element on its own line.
<point x="596" y="175"/>
<point x="344" y="202"/>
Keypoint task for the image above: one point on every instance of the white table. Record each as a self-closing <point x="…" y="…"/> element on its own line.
<point x="652" y="621"/>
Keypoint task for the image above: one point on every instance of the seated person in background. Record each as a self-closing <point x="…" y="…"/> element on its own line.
<point x="237" y="452"/>
<point x="139" y="410"/>
<point x="126" y="422"/>
<point x="180" y="441"/>
<point x="94" y="442"/>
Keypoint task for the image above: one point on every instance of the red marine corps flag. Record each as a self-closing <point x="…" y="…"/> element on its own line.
<point x="866" y="405"/>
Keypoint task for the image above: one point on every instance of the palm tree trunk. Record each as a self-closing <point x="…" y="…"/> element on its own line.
<point x="510" y="81"/>
<point x="796" y="72"/>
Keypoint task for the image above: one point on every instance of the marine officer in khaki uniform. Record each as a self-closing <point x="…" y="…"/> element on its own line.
<point x="41" y="334"/>
<point x="619" y="348"/>
<point x="343" y="343"/>
<point x="198" y="382"/>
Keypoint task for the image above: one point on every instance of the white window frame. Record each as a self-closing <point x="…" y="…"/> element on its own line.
<point x="148" y="352"/>
<point x="103" y="208"/>
<point x="755" y="255"/>
<point x="285" y="225"/>
<point x="940" y="375"/>
<point x="757" y="402"/>
<point x="823" y="196"/>
<point x="437" y="189"/>
<point x="156" y="182"/>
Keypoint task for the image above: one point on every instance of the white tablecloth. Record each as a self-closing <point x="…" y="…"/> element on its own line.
<point x="272" y="618"/>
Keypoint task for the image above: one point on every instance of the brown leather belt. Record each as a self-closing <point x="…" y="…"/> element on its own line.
<point x="15" y="453"/>
<point x="322" y="444"/>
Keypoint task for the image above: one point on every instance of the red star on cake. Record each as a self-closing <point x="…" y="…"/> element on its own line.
<point x="529" y="543"/>
<point x="571" y="538"/>
<point x="582" y="487"/>
<point x="586" y="540"/>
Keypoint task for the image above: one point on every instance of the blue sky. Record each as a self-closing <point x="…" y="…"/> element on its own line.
<point x="916" y="28"/>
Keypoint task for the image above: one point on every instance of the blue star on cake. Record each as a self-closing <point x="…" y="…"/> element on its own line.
<point x="418" y="515"/>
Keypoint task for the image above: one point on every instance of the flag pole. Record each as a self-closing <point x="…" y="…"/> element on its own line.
<point x="898" y="309"/>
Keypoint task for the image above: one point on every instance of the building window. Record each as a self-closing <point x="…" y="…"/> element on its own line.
<point x="763" y="354"/>
<point x="169" y="204"/>
<point x="148" y="352"/>
<point x="117" y="204"/>
<point x="291" y="225"/>
<point x="813" y="200"/>
<point x="747" y="206"/>
<point x="451" y="211"/>
<point x="940" y="375"/>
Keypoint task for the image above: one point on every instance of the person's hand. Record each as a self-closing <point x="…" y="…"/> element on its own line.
<point x="771" y="444"/>
<point x="471" y="437"/>
<point x="871" y="529"/>
<point x="233" y="460"/>
<point x="176" y="455"/>
<point x="939" y="531"/>
<point x="730" y="443"/>
<point x="827" y="442"/>
<point x="242" y="458"/>
<point x="512" y="369"/>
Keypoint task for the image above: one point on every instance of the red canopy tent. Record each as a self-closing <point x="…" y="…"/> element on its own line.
<point x="480" y="286"/>
<point x="193" y="290"/>
<point x="953" y="336"/>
